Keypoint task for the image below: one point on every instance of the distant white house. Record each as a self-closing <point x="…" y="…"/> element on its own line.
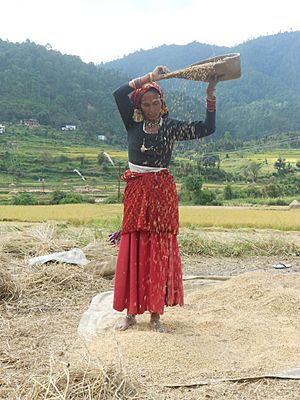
<point x="101" y="137"/>
<point x="69" y="128"/>
<point x="2" y="128"/>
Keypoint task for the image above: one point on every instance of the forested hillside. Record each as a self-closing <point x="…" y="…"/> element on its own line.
<point x="266" y="99"/>
<point x="56" y="89"/>
<point x="38" y="82"/>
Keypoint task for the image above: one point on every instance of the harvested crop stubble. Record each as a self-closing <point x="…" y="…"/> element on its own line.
<point x="42" y="322"/>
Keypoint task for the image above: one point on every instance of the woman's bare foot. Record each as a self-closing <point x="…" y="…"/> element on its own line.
<point x="155" y="323"/>
<point x="125" y="323"/>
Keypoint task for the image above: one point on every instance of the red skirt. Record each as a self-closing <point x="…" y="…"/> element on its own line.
<point x="148" y="272"/>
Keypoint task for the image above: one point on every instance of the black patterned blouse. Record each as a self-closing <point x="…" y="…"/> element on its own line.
<point x="155" y="150"/>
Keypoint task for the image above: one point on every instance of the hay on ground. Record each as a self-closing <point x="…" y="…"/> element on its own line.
<point x="9" y="289"/>
<point x="59" y="277"/>
<point x="71" y="382"/>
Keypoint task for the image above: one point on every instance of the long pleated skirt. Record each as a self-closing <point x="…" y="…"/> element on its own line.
<point x="148" y="273"/>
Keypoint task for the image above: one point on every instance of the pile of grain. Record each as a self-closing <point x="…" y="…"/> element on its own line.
<point x="248" y="325"/>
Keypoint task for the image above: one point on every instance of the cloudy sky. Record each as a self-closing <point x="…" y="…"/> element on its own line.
<point x="103" y="30"/>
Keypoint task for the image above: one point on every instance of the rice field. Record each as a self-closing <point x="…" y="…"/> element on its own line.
<point x="280" y="218"/>
<point x="238" y="159"/>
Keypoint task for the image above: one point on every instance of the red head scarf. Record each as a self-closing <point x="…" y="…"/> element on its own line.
<point x="136" y="96"/>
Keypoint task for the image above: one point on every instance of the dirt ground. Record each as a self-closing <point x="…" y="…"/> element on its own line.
<point x="242" y="324"/>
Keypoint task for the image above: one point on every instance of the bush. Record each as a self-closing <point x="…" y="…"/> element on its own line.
<point x="228" y="192"/>
<point x="253" y="191"/>
<point x="23" y="199"/>
<point x="215" y="174"/>
<point x="272" y="190"/>
<point x="113" y="199"/>
<point x="59" y="197"/>
<point x="205" y="197"/>
<point x="56" y="197"/>
<point x="278" y="202"/>
<point x="72" y="198"/>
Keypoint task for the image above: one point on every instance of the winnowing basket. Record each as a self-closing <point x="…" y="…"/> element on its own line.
<point x="225" y="67"/>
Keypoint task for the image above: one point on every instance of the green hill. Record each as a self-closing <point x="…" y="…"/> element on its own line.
<point x="56" y="89"/>
<point x="266" y="99"/>
<point x="38" y="82"/>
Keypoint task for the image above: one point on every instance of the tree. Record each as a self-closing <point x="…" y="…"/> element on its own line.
<point x="228" y="192"/>
<point x="251" y="169"/>
<point x="210" y="161"/>
<point x="192" y="186"/>
<point x="193" y="183"/>
<point x="254" y="168"/>
<point x="228" y="142"/>
<point x="282" y="165"/>
<point x="82" y="160"/>
<point x="101" y="159"/>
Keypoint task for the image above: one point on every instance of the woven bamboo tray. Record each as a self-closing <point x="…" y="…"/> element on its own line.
<point x="226" y="67"/>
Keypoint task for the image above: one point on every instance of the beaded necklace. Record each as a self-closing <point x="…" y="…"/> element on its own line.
<point x="151" y="124"/>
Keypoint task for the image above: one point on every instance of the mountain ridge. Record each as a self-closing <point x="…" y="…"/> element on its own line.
<point x="38" y="82"/>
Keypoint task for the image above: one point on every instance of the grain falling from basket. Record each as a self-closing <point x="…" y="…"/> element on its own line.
<point x="225" y="67"/>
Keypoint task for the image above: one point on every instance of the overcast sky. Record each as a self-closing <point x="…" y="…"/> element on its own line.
<point x="103" y="30"/>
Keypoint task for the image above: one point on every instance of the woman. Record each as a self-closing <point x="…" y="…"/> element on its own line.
<point x="148" y="271"/>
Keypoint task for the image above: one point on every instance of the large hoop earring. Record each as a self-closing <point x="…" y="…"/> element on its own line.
<point x="137" y="115"/>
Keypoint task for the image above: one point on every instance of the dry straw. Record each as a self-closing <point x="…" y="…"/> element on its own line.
<point x="35" y="241"/>
<point x="79" y="382"/>
<point x="60" y="277"/>
<point x="9" y="289"/>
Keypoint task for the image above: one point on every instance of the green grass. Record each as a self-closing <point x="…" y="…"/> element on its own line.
<point x="37" y="153"/>
<point x="195" y="244"/>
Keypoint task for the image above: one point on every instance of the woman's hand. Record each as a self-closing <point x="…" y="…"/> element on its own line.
<point x="159" y="72"/>
<point x="212" y="83"/>
<point x="156" y="75"/>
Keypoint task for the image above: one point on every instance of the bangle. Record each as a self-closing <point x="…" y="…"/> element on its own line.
<point x="138" y="83"/>
<point x="151" y="77"/>
<point x="132" y="83"/>
<point x="211" y="104"/>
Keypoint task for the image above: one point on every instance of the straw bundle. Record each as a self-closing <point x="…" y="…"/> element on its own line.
<point x="225" y="67"/>
<point x="75" y="382"/>
<point x="59" y="277"/>
<point x="39" y="240"/>
<point x="8" y="288"/>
